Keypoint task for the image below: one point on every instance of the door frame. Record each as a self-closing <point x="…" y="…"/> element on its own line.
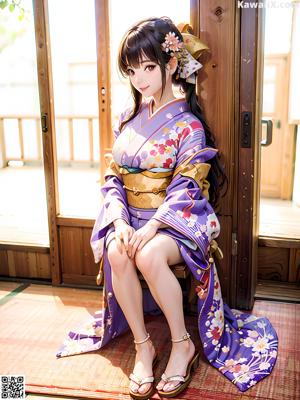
<point x="59" y="224"/>
<point x="44" y="71"/>
<point x="248" y="166"/>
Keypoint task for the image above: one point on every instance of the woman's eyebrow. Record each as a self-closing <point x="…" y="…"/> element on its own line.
<point x="144" y="61"/>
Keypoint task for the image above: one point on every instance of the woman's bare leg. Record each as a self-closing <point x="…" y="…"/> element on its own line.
<point x="128" y="292"/>
<point x="153" y="260"/>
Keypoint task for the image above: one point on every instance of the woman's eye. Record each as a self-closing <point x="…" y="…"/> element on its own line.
<point x="151" y="67"/>
<point x="129" y="71"/>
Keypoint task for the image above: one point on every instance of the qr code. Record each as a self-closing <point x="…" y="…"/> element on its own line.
<point x="12" y="387"/>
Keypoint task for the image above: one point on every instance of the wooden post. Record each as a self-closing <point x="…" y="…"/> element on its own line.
<point x="248" y="166"/>
<point x="103" y="69"/>
<point x="44" y="68"/>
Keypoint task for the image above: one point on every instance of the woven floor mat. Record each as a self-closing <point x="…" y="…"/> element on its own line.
<point x="35" y="322"/>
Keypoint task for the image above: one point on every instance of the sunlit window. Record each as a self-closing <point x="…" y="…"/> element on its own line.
<point x="74" y="65"/>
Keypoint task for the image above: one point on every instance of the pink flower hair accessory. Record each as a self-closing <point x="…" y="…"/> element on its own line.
<point x="187" y="64"/>
<point x="172" y="43"/>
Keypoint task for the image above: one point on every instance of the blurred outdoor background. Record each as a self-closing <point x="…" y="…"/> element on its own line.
<point x="23" y="212"/>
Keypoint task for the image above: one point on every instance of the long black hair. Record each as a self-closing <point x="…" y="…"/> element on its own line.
<point x="144" y="39"/>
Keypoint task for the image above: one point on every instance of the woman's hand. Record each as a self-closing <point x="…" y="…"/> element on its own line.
<point x="142" y="236"/>
<point x="123" y="233"/>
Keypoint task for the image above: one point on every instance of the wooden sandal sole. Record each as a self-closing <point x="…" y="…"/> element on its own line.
<point x="192" y="366"/>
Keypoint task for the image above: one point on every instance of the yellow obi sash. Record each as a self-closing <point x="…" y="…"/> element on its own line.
<point x="147" y="189"/>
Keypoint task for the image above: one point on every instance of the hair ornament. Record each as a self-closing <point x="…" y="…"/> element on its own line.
<point x="186" y="52"/>
<point x="172" y="43"/>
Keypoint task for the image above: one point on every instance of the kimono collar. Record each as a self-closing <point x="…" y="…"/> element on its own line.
<point x="164" y="115"/>
<point x="168" y="110"/>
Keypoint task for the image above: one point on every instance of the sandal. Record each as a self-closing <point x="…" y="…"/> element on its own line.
<point x="192" y="366"/>
<point x="139" y="381"/>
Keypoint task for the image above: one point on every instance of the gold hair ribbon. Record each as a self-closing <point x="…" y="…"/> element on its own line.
<point x="192" y="43"/>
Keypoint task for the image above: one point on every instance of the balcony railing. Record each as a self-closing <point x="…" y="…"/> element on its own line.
<point x="88" y="137"/>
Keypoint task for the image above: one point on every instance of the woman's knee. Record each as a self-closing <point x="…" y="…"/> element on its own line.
<point x="150" y="258"/>
<point x="120" y="262"/>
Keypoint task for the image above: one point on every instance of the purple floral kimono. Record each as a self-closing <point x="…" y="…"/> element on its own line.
<point x="241" y="346"/>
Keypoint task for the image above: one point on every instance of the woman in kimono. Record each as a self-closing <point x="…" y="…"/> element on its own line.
<point x="155" y="213"/>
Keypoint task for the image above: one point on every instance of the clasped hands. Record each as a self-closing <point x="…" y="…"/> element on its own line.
<point x="132" y="240"/>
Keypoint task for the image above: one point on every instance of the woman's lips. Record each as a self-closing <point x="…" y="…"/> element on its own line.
<point x="144" y="88"/>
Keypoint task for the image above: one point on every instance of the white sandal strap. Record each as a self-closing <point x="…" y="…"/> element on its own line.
<point x="134" y="378"/>
<point x="179" y="378"/>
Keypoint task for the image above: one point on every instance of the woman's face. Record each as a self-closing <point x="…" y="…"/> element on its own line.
<point x="147" y="78"/>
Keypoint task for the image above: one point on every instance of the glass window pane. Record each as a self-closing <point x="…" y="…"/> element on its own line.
<point x="23" y="205"/>
<point x="269" y="98"/>
<point x="278" y="24"/>
<point x="269" y="72"/>
<point x="74" y="64"/>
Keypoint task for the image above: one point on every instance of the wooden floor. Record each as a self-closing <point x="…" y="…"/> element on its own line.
<point x="23" y="208"/>
<point x="50" y="311"/>
<point x="278" y="291"/>
<point x="279" y="218"/>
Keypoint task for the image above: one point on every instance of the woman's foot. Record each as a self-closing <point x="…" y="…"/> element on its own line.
<point x="181" y="355"/>
<point x="145" y="354"/>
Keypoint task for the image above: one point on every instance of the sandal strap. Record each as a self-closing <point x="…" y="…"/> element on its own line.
<point x="166" y="378"/>
<point x="139" y="381"/>
<point x="186" y="336"/>
<point x="144" y="340"/>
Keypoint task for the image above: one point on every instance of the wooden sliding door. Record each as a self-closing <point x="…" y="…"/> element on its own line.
<point x="81" y="97"/>
<point x="69" y="107"/>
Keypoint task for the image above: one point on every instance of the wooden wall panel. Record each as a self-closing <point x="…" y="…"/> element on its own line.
<point x="273" y="263"/>
<point x="279" y="260"/>
<point x="77" y="261"/>
<point x="33" y="262"/>
<point x="11" y="263"/>
<point x="294" y="266"/>
<point x="43" y="265"/>
<point x="4" y="270"/>
<point x="70" y="243"/>
<point x="25" y="263"/>
<point x="89" y="266"/>
<point x="21" y="263"/>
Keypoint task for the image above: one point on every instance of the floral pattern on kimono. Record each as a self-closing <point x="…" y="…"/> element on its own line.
<point x="241" y="346"/>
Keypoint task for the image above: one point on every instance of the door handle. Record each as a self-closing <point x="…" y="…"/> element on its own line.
<point x="268" y="140"/>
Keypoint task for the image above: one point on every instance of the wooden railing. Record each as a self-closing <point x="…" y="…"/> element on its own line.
<point x="88" y="135"/>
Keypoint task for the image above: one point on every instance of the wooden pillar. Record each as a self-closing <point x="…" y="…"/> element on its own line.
<point x="44" y="68"/>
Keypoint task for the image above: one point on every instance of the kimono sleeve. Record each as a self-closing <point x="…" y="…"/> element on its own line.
<point x="113" y="206"/>
<point x="185" y="208"/>
<point x="193" y="141"/>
